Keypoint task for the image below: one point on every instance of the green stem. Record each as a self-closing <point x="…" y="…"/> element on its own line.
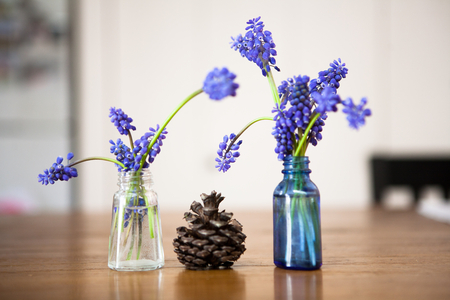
<point x="130" y="252"/>
<point x="115" y="230"/>
<point x="96" y="158"/>
<point x="131" y="142"/>
<point x="305" y="216"/>
<point x="273" y="88"/>
<point x="244" y="129"/>
<point x="301" y="147"/>
<point x="130" y="223"/>
<point x="140" y="239"/>
<point x="151" y="222"/>
<point x="161" y="129"/>
<point x="150" y="218"/>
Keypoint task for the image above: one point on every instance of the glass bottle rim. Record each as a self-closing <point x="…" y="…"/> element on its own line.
<point x="126" y="176"/>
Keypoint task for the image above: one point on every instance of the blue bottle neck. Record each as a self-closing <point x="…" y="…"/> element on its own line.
<point x="296" y="165"/>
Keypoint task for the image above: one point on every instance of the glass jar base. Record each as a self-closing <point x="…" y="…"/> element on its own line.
<point x="298" y="267"/>
<point x="137" y="265"/>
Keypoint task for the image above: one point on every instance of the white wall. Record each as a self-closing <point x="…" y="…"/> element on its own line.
<point x="147" y="56"/>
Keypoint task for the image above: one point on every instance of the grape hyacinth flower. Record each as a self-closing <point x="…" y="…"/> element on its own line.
<point x="220" y="84"/>
<point x="227" y="153"/>
<point x="283" y="131"/>
<point x="356" y="114"/>
<point x="141" y="146"/>
<point x="121" y="121"/>
<point x="123" y="154"/>
<point x="295" y="92"/>
<point x="330" y="77"/>
<point x="257" y="45"/>
<point x="58" y="172"/>
<point x="326" y="101"/>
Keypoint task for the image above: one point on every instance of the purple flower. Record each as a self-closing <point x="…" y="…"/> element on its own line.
<point x="295" y="92"/>
<point x="356" y="114"/>
<point x="123" y="154"/>
<point x="283" y="131"/>
<point x="142" y="144"/>
<point x="257" y="45"/>
<point x="58" y="172"/>
<point x="329" y="77"/>
<point x="327" y="101"/>
<point x="227" y="153"/>
<point x="121" y="121"/>
<point x="220" y="84"/>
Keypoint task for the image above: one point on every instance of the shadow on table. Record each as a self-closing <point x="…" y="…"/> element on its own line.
<point x="289" y="284"/>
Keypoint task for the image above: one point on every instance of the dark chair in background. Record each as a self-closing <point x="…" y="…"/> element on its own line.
<point x="413" y="171"/>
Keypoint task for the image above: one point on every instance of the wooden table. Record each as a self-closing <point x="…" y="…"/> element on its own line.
<point x="372" y="254"/>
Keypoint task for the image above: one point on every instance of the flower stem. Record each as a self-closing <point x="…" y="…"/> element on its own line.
<point x="299" y="151"/>
<point x="97" y="158"/>
<point x="273" y="87"/>
<point x="131" y="142"/>
<point x="161" y="129"/>
<point x="244" y="129"/>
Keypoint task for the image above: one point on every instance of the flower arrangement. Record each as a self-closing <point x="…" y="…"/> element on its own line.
<point x="135" y="204"/>
<point x="300" y="111"/>
<point x="301" y="105"/>
<point x="218" y="84"/>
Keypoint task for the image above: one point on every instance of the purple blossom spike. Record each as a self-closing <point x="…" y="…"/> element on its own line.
<point x="356" y="114"/>
<point x="121" y="121"/>
<point x="227" y="153"/>
<point x="257" y="45"/>
<point x="58" y="172"/>
<point x="327" y="101"/>
<point x="330" y="77"/>
<point x="123" y="154"/>
<point x="219" y="83"/>
<point x="142" y="144"/>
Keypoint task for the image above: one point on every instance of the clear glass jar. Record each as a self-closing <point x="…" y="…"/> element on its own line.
<point x="297" y="242"/>
<point x="135" y="242"/>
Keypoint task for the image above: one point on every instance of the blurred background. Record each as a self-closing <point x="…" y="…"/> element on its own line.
<point x="64" y="63"/>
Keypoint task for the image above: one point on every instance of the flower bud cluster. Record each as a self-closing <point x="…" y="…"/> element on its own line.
<point x="219" y="84"/>
<point x="227" y="153"/>
<point x="291" y="123"/>
<point x="257" y="45"/>
<point x="356" y="114"/>
<point x="58" y="172"/>
<point x="123" y="154"/>
<point x="121" y="121"/>
<point x="327" y="100"/>
<point x="141" y="147"/>
<point x="329" y="77"/>
<point x="295" y="92"/>
<point x="283" y="131"/>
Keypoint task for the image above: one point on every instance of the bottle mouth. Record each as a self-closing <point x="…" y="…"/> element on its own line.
<point x="130" y="176"/>
<point x="290" y="159"/>
<point x="295" y="164"/>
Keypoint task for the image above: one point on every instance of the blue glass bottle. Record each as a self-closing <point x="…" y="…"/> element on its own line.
<point x="297" y="242"/>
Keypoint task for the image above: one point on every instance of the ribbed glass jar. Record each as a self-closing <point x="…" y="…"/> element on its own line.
<point x="297" y="242"/>
<point x="135" y="242"/>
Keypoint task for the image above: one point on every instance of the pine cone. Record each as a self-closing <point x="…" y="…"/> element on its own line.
<point x="213" y="240"/>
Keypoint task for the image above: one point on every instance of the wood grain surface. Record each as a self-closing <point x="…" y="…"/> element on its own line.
<point x="372" y="254"/>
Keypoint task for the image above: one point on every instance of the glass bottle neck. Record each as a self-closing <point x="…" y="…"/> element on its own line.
<point x="296" y="165"/>
<point x="144" y="179"/>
